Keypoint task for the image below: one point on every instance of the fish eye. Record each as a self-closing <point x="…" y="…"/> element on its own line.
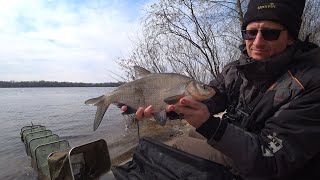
<point x="204" y="86"/>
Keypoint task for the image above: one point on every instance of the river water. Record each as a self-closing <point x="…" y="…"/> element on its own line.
<point x="62" y="110"/>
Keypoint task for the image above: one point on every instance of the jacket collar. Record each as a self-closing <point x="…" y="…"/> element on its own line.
<point x="269" y="68"/>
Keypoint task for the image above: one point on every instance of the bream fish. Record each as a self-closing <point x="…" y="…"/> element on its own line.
<point x="156" y="89"/>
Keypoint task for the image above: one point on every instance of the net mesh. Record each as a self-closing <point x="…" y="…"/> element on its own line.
<point x="32" y="136"/>
<point x="33" y="129"/>
<point x="43" y="151"/>
<point x="41" y="140"/>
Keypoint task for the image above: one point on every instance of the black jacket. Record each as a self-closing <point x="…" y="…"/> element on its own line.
<point x="271" y="128"/>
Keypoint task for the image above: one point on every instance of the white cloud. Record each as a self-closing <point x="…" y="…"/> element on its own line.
<point x="64" y="41"/>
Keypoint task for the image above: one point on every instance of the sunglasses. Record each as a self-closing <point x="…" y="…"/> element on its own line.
<point x="267" y="34"/>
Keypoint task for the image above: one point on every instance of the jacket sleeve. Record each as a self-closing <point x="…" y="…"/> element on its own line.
<point x="288" y="141"/>
<point x="219" y="102"/>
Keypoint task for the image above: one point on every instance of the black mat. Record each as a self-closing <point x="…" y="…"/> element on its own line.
<point x="153" y="160"/>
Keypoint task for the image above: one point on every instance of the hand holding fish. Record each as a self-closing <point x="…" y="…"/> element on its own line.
<point x="141" y="112"/>
<point x="194" y="112"/>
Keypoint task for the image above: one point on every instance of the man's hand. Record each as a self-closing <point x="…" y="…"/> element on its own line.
<point x="141" y="112"/>
<point x="194" y="112"/>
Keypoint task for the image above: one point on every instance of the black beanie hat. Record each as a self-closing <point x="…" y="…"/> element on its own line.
<point x="286" y="12"/>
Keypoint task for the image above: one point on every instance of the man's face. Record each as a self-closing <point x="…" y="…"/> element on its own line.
<point x="260" y="48"/>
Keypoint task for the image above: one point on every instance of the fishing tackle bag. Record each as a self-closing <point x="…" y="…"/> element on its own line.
<point x="155" y="160"/>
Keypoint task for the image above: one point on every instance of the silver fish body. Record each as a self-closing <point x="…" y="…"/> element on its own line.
<point x="156" y="89"/>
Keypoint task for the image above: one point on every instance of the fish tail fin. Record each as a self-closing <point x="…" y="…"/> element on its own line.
<point x="102" y="103"/>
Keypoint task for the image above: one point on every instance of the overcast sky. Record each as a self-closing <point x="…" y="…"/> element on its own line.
<point x="65" y="40"/>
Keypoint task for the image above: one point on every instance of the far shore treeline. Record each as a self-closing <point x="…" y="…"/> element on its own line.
<point x="27" y="84"/>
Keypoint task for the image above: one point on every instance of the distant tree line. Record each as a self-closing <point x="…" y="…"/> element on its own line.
<point x="26" y="84"/>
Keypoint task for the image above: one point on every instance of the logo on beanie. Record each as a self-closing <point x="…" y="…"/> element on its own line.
<point x="267" y="6"/>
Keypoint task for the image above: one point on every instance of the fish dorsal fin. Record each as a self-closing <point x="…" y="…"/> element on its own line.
<point x="140" y="72"/>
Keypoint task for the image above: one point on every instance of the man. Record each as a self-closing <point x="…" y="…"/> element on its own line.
<point x="271" y="128"/>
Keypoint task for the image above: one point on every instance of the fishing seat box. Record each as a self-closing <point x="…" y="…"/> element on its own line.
<point x="153" y="160"/>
